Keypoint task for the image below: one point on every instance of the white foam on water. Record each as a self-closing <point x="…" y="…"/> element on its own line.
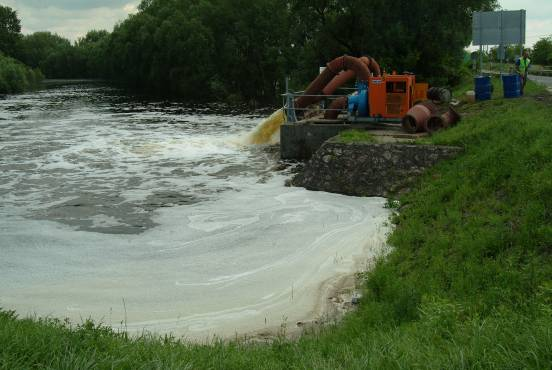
<point x="229" y="249"/>
<point x="237" y="264"/>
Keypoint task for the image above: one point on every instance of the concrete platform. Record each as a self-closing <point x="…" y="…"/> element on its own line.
<point x="302" y="139"/>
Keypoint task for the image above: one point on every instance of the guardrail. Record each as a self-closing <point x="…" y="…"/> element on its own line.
<point x="542" y="72"/>
<point x="290" y="96"/>
<point x="290" y="109"/>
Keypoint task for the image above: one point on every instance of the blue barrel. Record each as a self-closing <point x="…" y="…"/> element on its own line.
<point x="483" y="88"/>
<point x="512" y="86"/>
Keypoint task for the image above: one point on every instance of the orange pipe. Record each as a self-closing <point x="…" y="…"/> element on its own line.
<point x="446" y="120"/>
<point x="374" y="67"/>
<point x="337" y="65"/>
<point x="336" y="107"/>
<point x="338" y="81"/>
<point x="342" y="78"/>
<point x="346" y="76"/>
<point x="416" y="119"/>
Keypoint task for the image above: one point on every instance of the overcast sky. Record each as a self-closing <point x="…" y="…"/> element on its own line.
<point x="73" y="18"/>
<point x="70" y="18"/>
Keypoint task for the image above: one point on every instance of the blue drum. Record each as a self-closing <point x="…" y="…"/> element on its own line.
<point x="483" y="88"/>
<point x="512" y="86"/>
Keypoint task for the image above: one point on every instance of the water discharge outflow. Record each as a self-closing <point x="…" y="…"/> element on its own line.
<point x="267" y="131"/>
<point x="145" y="215"/>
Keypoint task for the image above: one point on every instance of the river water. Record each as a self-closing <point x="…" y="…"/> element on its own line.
<point x="156" y="215"/>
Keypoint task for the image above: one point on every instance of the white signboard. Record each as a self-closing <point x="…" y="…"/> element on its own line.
<point x="499" y="28"/>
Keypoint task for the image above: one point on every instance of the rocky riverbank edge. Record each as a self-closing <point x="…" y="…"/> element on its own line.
<point x="369" y="169"/>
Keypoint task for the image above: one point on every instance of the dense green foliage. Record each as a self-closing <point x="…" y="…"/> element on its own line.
<point x="58" y="58"/>
<point x="55" y="56"/>
<point x="467" y="286"/>
<point x="511" y="54"/>
<point x="243" y="50"/>
<point x="203" y="49"/>
<point x="425" y="37"/>
<point x="48" y="52"/>
<point x="16" y="77"/>
<point x="91" y="51"/>
<point x="542" y="51"/>
<point x="218" y="48"/>
<point x="10" y="30"/>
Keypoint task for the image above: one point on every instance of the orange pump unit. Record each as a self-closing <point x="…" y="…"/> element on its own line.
<point x="391" y="96"/>
<point x="385" y="98"/>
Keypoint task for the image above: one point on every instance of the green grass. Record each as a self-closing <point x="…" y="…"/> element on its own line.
<point x="354" y="136"/>
<point x="466" y="84"/>
<point x="468" y="285"/>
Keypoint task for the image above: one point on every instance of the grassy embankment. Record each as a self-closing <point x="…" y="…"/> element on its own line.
<point x="15" y="77"/>
<point x="467" y="286"/>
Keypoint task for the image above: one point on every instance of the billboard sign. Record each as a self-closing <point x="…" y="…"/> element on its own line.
<point x="499" y="28"/>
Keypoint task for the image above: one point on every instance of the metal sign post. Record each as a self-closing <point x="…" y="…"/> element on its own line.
<point x="500" y="28"/>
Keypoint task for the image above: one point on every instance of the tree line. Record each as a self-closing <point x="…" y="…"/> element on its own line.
<point x="244" y="49"/>
<point x="14" y="76"/>
<point x="542" y="52"/>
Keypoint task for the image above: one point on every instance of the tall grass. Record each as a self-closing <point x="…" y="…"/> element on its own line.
<point x="15" y="77"/>
<point x="468" y="285"/>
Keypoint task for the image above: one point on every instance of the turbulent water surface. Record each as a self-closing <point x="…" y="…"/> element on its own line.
<point x="157" y="216"/>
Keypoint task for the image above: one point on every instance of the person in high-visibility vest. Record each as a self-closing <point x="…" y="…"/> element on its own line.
<point x="522" y="68"/>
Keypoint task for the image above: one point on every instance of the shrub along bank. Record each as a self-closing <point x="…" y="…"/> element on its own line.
<point x="16" y="77"/>
<point x="468" y="284"/>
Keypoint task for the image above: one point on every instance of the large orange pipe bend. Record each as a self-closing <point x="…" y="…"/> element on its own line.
<point x="316" y="87"/>
<point x="374" y="67"/>
<point x="346" y="76"/>
<point x="338" y="81"/>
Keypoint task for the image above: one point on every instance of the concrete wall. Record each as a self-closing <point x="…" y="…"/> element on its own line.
<point x="366" y="169"/>
<point x="302" y="140"/>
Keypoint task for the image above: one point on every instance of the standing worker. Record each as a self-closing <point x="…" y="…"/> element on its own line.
<point x="522" y="67"/>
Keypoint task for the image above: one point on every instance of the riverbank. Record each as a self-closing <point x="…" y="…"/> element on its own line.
<point x="467" y="285"/>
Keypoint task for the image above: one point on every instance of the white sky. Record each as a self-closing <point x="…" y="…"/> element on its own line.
<point x="70" y="18"/>
<point x="73" y="18"/>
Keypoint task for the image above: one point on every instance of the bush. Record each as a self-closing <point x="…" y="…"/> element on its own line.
<point x="15" y="77"/>
<point x="542" y="51"/>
